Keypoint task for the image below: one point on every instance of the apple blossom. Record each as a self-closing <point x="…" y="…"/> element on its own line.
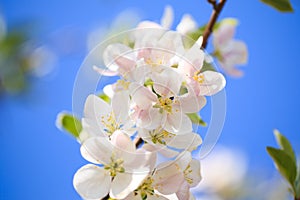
<point x="169" y="144"/>
<point x="229" y="52"/>
<point x="166" y="107"/>
<point x="122" y="167"/>
<point x="102" y="119"/>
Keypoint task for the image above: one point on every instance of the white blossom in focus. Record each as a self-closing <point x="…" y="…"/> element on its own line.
<point x="121" y="167"/>
<point x="102" y="119"/>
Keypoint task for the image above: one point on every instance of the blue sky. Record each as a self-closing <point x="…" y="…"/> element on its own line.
<point x="37" y="161"/>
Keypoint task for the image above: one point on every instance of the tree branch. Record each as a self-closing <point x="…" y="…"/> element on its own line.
<point x="213" y="19"/>
<point x="138" y="141"/>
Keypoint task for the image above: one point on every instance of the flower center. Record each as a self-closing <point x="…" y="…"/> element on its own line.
<point x="122" y="84"/>
<point x="145" y="188"/>
<point x="110" y="123"/>
<point x="155" y="62"/>
<point x="115" y="166"/>
<point x="166" y="104"/>
<point x="199" y="77"/>
<point x="186" y="172"/>
<point x="160" y="136"/>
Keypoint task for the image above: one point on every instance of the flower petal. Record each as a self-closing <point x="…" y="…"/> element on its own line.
<point x="195" y="175"/>
<point x="186" y="24"/>
<point x="167" y="18"/>
<point x="225" y="32"/>
<point x="92" y="182"/>
<point x="167" y="179"/>
<point x="142" y="96"/>
<point x="167" y="83"/>
<point x="95" y="108"/>
<point x="190" y="103"/>
<point x="189" y="141"/>
<point x="97" y="150"/>
<point x="178" y="123"/>
<point x="125" y="183"/>
<point x="122" y="142"/>
<point x="213" y="83"/>
<point x="105" y="72"/>
<point x="184" y="159"/>
<point x="120" y="106"/>
<point x="119" y="57"/>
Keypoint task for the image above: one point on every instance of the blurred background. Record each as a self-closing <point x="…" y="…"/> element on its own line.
<point x="43" y="44"/>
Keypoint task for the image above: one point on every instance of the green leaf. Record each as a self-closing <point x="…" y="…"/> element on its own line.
<point x="69" y="123"/>
<point x="284" y="164"/>
<point x="196" y="119"/>
<point x="207" y="67"/>
<point x="104" y="97"/>
<point x="284" y="144"/>
<point x="280" y="5"/>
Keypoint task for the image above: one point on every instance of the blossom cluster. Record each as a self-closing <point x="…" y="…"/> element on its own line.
<point x="140" y="142"/>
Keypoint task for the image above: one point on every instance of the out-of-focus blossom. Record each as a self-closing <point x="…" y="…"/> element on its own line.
<point x="21" y="58"/>
<point x="228" y="51"/>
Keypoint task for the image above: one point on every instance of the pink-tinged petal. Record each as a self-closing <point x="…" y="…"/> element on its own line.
<point x="167" y="83"/>
<point x="105" y="72"/>
<point x="120" y="106"/>
<point x="189" y="141"/>
<point x="189" y="103"/>
<point x="213" y="83"/>
<point x="95" y="108"/>
<point x="97" y="150"/>
<point x="183" y="160"/>
<point x="149" y="119"/>
<point x="125" y="183"/>
<point x="235" y="72"/>
<point x="225" y="32"/>
<point x="184" y="191"/>
<point x="119" y="57"/>
<point x="193" y="59"/>
<point x="167" y="179"/>
<point x="139" y="74"/>
<point x="92" y="182"/>
<point x="122" y="142"/>
<point x="195" y="175"/>
<point x="141" y="162"/>
<point x="125" y="65"/>
<point x="162" y="149"/>
<point x="170" y="42"/>
<point x="186" y="24"/>
<point x="167" y="18"/>
<point x="178" y="123"/>
<point x="235" y="53"/>
<point x="142" y="96"/>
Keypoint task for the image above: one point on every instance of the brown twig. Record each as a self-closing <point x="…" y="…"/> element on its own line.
<point x="138" y="141"/>
<point x="217" y="8"/>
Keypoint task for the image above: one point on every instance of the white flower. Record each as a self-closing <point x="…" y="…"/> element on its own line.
<point x="166" y="107"/>
<point x="169" y="144"/>
<point x="229" y="52"/>
<point x="171" y="180"/>
<point x="102" y="119"/>
<point x="187" y="24"/>
<point x="124" y="167"/>
<point x="148" y="55"/>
